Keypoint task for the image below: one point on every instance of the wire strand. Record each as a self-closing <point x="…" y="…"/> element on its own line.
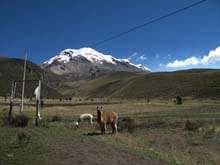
<point x="147" y="23"/>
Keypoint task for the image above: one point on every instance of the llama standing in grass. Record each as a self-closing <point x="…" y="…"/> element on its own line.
<point x="107" y="117"/>
<point x="86" y="116"/>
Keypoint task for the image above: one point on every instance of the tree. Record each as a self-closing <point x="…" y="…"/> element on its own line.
<point x="178" y="100"/>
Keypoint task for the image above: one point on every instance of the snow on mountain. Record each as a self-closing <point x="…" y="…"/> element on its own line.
<point x="143" y="67"/>
<point x="91" y="55"/>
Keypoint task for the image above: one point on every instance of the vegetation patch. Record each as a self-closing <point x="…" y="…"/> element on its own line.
<point x="127" y="124"/>
<point x="56" y="118"/>
<point x="168" y="134"/>
<point x="19" y="120"/>
<point x="192" y="125"/>
<point x="23" y="137"/>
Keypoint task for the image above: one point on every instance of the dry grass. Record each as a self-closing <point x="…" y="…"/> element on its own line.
<point x="158" y="132"/>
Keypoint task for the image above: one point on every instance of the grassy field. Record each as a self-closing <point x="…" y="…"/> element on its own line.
<point x="196" y="83"/>
<point x="158" y="133"/>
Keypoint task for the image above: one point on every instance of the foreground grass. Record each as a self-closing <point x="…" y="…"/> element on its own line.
<point x="158" y="133"/>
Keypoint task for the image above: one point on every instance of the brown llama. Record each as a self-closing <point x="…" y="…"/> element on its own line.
<point x="107" y="117"/>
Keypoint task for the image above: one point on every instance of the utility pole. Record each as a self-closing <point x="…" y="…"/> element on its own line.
<point x="23" y="86"/>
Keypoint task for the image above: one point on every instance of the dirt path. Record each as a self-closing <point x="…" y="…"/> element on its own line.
<point x="85" y="152"/>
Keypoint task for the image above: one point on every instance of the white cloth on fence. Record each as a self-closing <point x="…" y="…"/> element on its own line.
<point x="37" y="93"/>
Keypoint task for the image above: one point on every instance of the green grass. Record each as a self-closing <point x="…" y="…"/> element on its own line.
<point x="194" y="83"/>
<point x="106" y="85"/>
<point x="11" y="152"/>
<point x="158" y="134"/>
<point x="201" y="83"/>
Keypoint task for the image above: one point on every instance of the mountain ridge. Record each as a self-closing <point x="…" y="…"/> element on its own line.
<point x="12" y="69"/>
<point x="91" y="55"/>
<point x="194" y="83"/>
<point x="74" y="67"/>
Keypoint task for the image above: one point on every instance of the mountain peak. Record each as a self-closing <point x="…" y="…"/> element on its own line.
<point x="91" y="55"/>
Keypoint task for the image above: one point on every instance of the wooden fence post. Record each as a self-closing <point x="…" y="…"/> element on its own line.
<point x="37" y="93"/>
<point x="13" y="88"/>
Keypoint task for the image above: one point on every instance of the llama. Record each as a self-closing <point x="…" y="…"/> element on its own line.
<point x="107" y="117"/>
<point x="86" y="116"/>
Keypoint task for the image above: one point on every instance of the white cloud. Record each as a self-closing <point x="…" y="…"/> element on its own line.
<point x="133" y="55"/>
<point x="212" y="57"/>
<point x="185" y="63"/>
<point x="142" y="58"/>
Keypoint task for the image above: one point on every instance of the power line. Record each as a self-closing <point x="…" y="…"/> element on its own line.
<point x="147" y="23"/>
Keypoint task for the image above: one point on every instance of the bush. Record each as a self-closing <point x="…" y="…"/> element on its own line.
<point x="4" y="118"/>
<point x="192" y="126"/>
<point x="20" y="120"/>
<point x="178" y="100"/>
<point x="127" y="124"/>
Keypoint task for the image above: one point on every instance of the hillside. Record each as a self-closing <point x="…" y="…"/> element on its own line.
<point x="106" y="85"/>
<point x="196" y="83"/>
<point x="12" y="69"/>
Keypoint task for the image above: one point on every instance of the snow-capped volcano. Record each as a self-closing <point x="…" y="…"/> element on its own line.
<point x="72" y="67"/>
<point x="90" y="55"/>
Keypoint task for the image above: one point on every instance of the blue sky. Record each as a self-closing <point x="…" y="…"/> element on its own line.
<point x="46" y="27"/>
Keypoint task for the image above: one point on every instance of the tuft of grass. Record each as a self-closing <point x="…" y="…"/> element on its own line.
<point x="210" y="131"/>
<point x="23" y="137"/>
<point x="56" y="118"/>
<point x="192" y="125"/>
<point x="127" y="124"/>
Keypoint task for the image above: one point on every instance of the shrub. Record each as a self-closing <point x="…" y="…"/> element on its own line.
<point x="20" y="120"/>
<point x="127" y="124"/>
<point x="178" y="100"/>
<point x="192" y="126"/>
<point x="4" y="118"/>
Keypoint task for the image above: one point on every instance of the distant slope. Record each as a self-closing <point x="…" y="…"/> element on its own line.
<point x="12" y="69"/>
<point x="106" y="85"/>
<point x="196" y="83"/>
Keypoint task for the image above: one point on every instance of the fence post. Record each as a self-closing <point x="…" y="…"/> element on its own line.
<point x="13" y="87"/>
<point x="37" y="92"/>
